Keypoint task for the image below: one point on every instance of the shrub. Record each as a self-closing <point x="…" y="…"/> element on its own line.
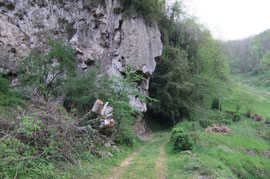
<point x="7" y="96"/>
<point x="44" y="73"/>
<point x="236" y="117"/>
<point x="206" y="123"/>
<point x="149" y="9"/>
<point x="3" y="84"/>
<point x="125" y="137"/>
<point x="267" y="121"/>
<point x="215" y="104"/>
<point x="181" y="139"/>
<point x="184" y="136"/>
<point x="80" y="90"/>
<point x="35" y="139"/>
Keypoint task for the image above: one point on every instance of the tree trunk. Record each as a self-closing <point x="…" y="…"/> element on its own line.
<point x="97" y="106"/>
<point x="107" y="124"/>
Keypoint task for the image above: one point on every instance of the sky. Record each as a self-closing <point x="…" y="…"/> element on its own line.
<point x="231" y="19"/>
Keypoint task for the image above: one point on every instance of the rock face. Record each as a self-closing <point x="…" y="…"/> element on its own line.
<point x="97" y="33"/>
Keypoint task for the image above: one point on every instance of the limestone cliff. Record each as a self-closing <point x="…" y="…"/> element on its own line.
<point x="97" y="33"/>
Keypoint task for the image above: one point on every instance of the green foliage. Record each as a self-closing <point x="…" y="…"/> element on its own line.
<point x="80" y="89"/>
<point x="46" y="72"/>
<point x="207" y="118"/>
<point x="251" y="57"/>
<point x="183" y="136"/>
<point x="215" y="104"/>
<point x="134" y="75"/>
<point x="7" y="96"/>
<point x="236" y="117"/>
<point x="29" y="125"/>
<point x="4" y="83"/>
<point x="149" y="9"/>
<point x="33" y="141"/>
<point x="267" y="121"/>
<point x="182" y="140"/>
<point x="189" y="72"/>
<point x="170" y="86"/>
<point x="17" y="160"/>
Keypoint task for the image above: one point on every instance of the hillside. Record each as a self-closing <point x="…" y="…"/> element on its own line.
<point x="251" y="57"/>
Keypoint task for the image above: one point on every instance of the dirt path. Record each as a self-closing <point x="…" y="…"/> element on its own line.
<point x="148" y="163"/>
<point x="116" y="174"/>
<point x="161" y="164"/>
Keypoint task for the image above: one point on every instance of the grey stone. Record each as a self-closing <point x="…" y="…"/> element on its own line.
<point x="189" y="152"/>
<point x="107" y="145"/>
<point x="109" y="154"/>
<point x="116" y="148"/>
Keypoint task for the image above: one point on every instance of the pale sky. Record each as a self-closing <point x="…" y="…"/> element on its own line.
<point x="231" y="19"/>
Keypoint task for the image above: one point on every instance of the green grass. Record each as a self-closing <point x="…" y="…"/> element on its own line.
<point x="192" y="166"/>
<point x="242" y="136"/>
<point x="93" y="167"/>
<point x="239" y="163"/>
<point x="256" y="82"/>
<point x="246" y="98"/>
<point x="143" y="165"/>
<point x="223" y="156"/>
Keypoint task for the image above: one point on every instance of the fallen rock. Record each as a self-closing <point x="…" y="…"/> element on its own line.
<point x="99" y="154"/>
<point x="109" y="154"/>
<point x="107" y="145"/>
<point x="189" y="152"/>
<point x="251" y="152"/>
<point x="103" y="154"/>
<point x="116" y="148"/>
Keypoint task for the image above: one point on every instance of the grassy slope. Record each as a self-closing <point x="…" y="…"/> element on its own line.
<point x="258" y="82"/>
<point x="225" y="156"/>
<point x="246" y="97"/>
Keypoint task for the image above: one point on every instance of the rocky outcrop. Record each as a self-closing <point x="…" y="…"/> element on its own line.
<point x="97" y="33"/>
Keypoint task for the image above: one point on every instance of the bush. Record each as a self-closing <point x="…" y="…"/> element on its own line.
<point x="215" y="104"/>
<point x="7" y="96"/>
<point x="206" y="123"/>
<point x="182" y="140"/>
<point x="267" y="120"/>
<point x="125" y="137"/>
<point x="236" y="117"/>
<point x="33" y="140"/>
<point x="45" y="73"/>
<point x="80" y="91"/>
<point x="184" y="136"/>
<point x="3" y="85"/>
<point x="149" y="9"/>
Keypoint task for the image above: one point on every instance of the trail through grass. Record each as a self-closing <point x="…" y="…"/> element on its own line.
<point x="144" y="164"/>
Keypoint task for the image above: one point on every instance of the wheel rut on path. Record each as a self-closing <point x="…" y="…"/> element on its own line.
<point x="136" y="165"/>
<point x="116" y="174"/>
<point x="161" y="164"/>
